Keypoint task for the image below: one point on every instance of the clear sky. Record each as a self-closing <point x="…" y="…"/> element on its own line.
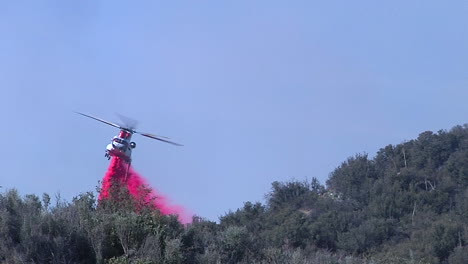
<point x="257" y="91"/>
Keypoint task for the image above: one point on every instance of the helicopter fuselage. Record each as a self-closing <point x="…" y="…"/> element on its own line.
<point x="121" y="146"/>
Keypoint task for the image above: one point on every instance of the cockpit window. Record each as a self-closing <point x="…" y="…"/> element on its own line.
<point x="119" y="140"/>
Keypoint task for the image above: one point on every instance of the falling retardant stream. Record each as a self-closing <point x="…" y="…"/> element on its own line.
<point x="117" y="172"/>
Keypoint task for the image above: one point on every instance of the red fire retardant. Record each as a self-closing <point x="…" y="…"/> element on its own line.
<point x="135" y="184"/>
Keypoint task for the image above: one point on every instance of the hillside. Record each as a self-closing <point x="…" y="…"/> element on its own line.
<point x="408" y="204"/>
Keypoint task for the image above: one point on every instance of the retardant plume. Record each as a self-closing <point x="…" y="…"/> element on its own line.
<point x="139" y="189"/>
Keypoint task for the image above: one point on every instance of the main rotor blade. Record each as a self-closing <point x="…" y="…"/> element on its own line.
<point x="128" y="122"/>
<point x="100" y="120"/>
<point x="160" y="138"/>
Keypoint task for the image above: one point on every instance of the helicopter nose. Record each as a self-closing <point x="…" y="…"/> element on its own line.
<point x="118" y="145"/>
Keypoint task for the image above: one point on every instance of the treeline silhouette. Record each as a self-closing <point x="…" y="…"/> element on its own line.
<point x="408" y="204"/>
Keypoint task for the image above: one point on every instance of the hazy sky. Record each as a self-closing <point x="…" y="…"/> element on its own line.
<point x="257" y="91"/>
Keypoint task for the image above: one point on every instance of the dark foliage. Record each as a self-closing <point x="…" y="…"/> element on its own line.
<point x="408" y="204"/>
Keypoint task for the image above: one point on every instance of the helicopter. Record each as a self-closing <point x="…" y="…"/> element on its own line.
<point x="121" y="145"/>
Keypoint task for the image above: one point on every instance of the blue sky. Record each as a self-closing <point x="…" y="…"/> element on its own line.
<point x="257" y="91"/>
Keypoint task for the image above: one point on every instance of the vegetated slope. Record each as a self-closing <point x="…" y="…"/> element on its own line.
<point x="408" y="204"/>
